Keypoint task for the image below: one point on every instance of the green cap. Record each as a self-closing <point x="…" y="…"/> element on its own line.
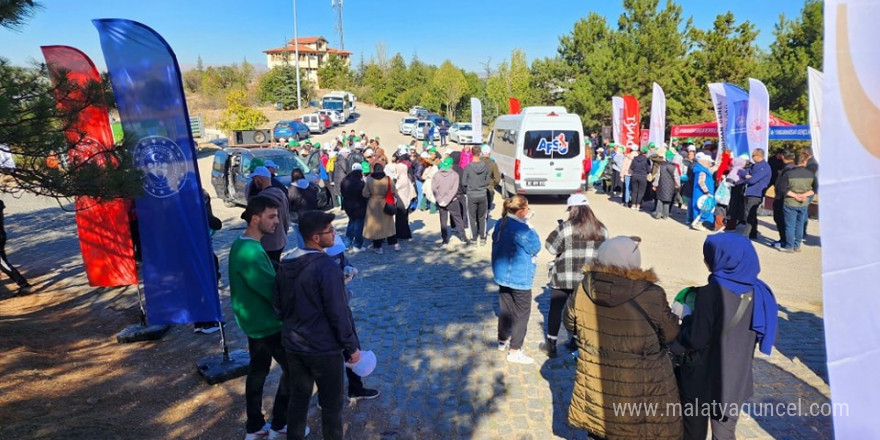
<point x="376" y="138"/>
<point x="316" y="144"/>
<point x="689" y="141"/>
<point x="446" y="164"/>
<point x="670" y="155"/>
<point x="587" y="142"/>
<point x="255" y="163"/>
<point x="611" y="144"/>
<point x="424" y="143"/>
<point x="366" y="167"/>
<point x="293" y="143"/>
<point x="645" y="149"/>
<point x="432" y="149"/>
<point x="651" y="145"/>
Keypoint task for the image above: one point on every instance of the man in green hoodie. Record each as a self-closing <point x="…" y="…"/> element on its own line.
<point x="251" y="287"/>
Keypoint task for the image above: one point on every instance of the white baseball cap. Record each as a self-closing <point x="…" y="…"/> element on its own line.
<point x="577" y="199"/>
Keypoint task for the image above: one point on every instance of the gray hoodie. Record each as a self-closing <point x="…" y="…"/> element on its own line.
<point x="445" y="187"/>
<point x="476" y="179"/>
<point x="278" y="239"/>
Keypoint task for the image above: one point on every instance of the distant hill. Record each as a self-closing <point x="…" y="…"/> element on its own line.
<point x="259" y="67"/>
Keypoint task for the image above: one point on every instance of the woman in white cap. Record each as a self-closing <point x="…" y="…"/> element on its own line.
<point x="573" y="243"/>
<point x="704" y="189"/>
<point x="622" y="320"/>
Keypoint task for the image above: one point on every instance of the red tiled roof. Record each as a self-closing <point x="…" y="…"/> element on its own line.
<point x="338" y="51"/>
<point x="291" y="48"/>
<point x="307" y="40"/>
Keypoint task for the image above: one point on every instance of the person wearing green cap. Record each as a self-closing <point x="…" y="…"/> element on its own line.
<point x="666" y="183"/>
<point x="445" y="186"/>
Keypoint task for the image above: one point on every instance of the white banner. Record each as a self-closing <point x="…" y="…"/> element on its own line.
<point x="758" y="119"/>
<point x="477" y="119"/>
<point x="814" y="82"/>
<point x="719" y="102"/>
<point x="616" y="115"/>
<point x="658" y="117"/>
<point x="850" y="205"/>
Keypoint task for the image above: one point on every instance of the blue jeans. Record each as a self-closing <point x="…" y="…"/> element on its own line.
<point x="795" y="219"/>
<point x="355" y="232"/>
<point x="421" y="199"/>
<point x="626" y="195"/>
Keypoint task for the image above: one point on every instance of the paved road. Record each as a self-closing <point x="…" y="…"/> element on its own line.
<point x="430" y="315"/>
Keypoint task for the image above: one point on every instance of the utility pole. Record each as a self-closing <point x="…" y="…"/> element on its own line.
<point x="337" y="4"/>
<point x="296" y="54"/>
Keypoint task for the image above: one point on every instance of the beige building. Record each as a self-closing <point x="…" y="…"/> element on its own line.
<point x="313" y="53"/>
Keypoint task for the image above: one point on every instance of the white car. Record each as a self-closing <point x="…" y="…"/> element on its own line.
<point x="406" y="125"/>
<point x="334" y="115"/>
<point x="415" y="110"/>
<point x="421" y="129"/>
<point x="314" y="122"/>
<point x="461" y="133"/>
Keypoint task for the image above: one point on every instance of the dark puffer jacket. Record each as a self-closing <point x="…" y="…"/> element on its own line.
<point x="620" y="361"/>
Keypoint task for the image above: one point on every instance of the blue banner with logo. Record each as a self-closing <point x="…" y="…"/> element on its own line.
<point x="790" y="133"/>
<point x="180" y="284"/>
<point x="736" y="135"/>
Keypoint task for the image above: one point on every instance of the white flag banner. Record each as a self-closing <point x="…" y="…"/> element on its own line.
<point x="850" y="205"/>
<point x="758" y="119"/>
<point x="719" y="102"/>
<point x="477" y="120"/>
<point x="616" y="115"/>
<point x="658" y="117"/>
<point x="815" y="79"/>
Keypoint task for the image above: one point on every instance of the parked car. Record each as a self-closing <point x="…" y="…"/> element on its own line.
<point x="286" y="130"/>
<point x="328" y="123"/>
<point x="413" y="111"/>
<point x="334" y="115"/>
<point x="437" y="120"/>
<point x="230" y="173"/>
<point x="406" y="124"/>
<point x="314" y="122"/>
<point x="421" y="114"/>
<point x="420" y="131"/>
<point x="461" y="133"/>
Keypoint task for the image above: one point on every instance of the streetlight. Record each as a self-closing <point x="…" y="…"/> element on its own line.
<point x="296" y="53"/>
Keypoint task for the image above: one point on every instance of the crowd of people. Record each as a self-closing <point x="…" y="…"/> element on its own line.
<point x="634" y="349"/>
<point x="627" y="337"/>
<point x="718" y="192"/>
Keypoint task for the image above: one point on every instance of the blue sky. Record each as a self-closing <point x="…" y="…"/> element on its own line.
<point x="468" y="32"/>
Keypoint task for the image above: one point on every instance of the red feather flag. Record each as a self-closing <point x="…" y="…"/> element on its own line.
<point x="102" y="225"/>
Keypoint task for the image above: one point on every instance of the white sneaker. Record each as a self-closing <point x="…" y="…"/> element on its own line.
<point x="397" y="247"/>
<point x="518" y="357"/>
<point x="379" y="251"/>
<point x="282" y="434"/>
<point x="259" y="435"/>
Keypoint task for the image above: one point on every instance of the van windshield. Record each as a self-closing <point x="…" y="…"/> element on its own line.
<point x="552" y="144"/>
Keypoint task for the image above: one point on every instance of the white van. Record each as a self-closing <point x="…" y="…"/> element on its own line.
<point x="314" y="122"/>
<point x="539" y="151"/>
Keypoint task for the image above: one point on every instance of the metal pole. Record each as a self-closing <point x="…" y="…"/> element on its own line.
<point x="296" y="51"/>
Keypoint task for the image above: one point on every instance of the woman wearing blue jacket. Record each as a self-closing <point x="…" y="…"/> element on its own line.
<point x="515" y="246"/>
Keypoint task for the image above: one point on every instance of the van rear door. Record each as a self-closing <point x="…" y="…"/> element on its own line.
<point x="551" y="159"/>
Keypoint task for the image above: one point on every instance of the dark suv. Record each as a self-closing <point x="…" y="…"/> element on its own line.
<point x="230" y="172"/>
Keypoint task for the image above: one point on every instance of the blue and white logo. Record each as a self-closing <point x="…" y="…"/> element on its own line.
<point x="164" y="165"/>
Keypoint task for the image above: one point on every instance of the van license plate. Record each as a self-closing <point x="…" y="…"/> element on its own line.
<point x="535" y="183"/>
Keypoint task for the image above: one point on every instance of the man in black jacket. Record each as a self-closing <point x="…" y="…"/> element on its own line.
<point x="318" y="330"/>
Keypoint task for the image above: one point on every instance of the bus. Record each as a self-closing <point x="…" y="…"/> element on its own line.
<point x="339" y="101"/>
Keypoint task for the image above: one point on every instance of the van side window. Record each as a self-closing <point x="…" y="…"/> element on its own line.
<point x="552" y="144"/>
<point x="504" y="142"/>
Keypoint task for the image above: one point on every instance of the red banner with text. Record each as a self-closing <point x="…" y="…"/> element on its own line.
<point x="630" y="121"/>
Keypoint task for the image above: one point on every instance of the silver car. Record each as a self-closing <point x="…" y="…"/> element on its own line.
<point x="461" y="133"/>
<point x="421" y="129"/>
<point x="406" y="125"/>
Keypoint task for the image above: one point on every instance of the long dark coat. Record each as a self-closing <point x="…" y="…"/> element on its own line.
<point x="666" y="185"/>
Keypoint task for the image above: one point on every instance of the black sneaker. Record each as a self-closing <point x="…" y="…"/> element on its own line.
<point x="571" y="344"/>
<point x="365" y="394"/>
<point x="550" y="345"/>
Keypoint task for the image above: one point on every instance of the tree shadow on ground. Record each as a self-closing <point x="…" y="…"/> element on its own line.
<point x="783" y="404"/>
<point x="802" y="337"/>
